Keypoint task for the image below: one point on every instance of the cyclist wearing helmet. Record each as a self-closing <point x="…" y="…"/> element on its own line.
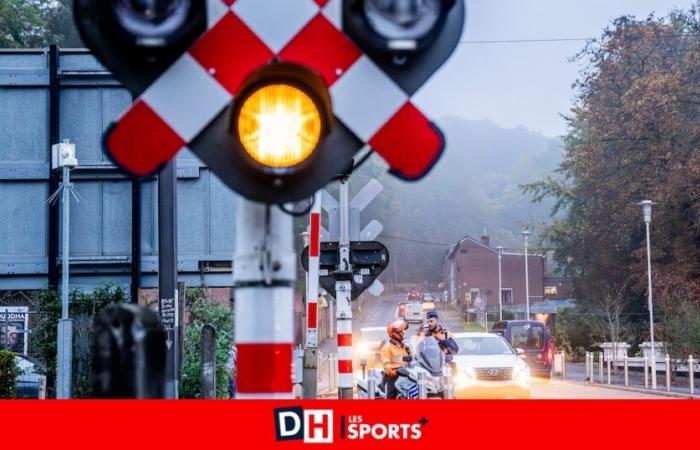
<point x="393" y="354"/>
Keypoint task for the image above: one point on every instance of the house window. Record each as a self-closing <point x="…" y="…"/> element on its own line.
<point x="507" y="296"/>
<point x="550" y="291"/>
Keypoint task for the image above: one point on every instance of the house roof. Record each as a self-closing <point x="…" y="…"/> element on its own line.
<point x="507" y="252"/>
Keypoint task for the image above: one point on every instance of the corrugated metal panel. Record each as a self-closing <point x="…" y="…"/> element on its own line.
<point x="101" y="224"/>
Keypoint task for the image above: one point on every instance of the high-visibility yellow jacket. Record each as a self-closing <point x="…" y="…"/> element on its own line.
<point x="392" y="354"/>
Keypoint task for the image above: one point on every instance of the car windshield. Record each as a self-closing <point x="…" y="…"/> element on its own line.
<point x="527" y="336"/>
<point x="373" y="335"/>
<point x="483" y="346"/>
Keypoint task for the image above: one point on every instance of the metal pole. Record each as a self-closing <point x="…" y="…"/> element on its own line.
<point x="608" y="362"/>
<point x="422" y="388"/>
<point x="264" y="307"/>
<point x="343" y="289"/>
<point x="7" y="329"/>
<point x="526" y="235"/>
<point x="208" y="362"/>
<point x="310" y="377"/>
<point x="167" y="271"/>
<point x="627" y="374"/>
<point x="646" y="205"/>
<point x="448" y="387"/>
<point x="691" y="374"/>
<point x="64" y="357"/>
<point x="371" y="388"/>
<point x="646" y="372"/>
<point x="563" y="365"/>
<point x="668" y="373"/>
<point x="588" y="368"/>
<point x="500" y="285"/>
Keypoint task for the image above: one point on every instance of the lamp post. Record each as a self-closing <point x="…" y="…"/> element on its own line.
<point x="500" y="286"/>
<point x="526" y="242"/>
<point x="646" y="209"/>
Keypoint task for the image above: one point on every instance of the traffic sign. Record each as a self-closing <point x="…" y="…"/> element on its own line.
<point x="368" y="261"/>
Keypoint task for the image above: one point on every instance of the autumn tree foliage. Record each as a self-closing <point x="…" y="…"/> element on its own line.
<point x="634" y="134"/>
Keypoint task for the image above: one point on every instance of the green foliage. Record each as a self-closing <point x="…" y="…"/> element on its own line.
<point x="9" y="371"/>
<point x="83" y="308"/>
<point x="576" y="332"/>
<point x="37" y="23"/>
<point x="633" y="135"/>
<point x="679" y="326"/>
<point x="202" y="312"/>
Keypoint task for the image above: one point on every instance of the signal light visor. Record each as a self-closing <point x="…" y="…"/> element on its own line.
<point x="279" y="126"/>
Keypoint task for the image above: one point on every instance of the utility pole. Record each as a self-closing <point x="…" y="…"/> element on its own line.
<point x="167" y="271"/>
<point x="526" y="235"/>
<point x="500" y="284"/>
<point x="63" y="156"/>
<point x="646" y="210"/>
<point x="310" y="377"/>
<point x="343" y="288"/>
<point x="264" y="307"/>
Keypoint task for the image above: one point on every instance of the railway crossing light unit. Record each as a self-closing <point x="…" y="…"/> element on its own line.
<point x="137" y="40"/>
<point x="275" y="108"/>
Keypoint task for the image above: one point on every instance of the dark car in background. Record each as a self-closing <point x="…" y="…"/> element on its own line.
<point x="414" y="295"/>
<point x="534" y="339"/>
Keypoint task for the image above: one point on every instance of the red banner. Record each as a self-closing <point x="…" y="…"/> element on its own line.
<point x="348" y="424"/>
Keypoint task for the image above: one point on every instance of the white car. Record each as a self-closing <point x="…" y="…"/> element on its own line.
<point x="488" y="367"/>
<point x="413" y="313"/>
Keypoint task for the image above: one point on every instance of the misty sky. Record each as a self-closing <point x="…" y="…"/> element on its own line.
<point x="524" y="84"/>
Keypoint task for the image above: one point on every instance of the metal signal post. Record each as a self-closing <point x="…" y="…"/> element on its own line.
<point x="343" y="289"/>
<point x="264" y="300"/>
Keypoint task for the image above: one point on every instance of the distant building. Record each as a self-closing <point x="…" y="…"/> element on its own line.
<point x="471" y="271"/>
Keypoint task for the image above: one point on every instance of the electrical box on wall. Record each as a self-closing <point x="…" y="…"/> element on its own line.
<point x="63" y="155"/>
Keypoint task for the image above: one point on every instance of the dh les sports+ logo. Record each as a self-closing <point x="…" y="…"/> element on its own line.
<point x="316" y="426"/>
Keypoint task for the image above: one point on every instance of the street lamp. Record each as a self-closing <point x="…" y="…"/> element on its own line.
<point x="500" y="287"/>
<point x="646" y="209"/>
<point x="526" y="236"/>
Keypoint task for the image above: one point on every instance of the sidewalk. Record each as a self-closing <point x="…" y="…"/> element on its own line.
<point x="576" y="372"/>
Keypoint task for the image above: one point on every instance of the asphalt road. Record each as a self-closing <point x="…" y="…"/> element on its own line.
<point x="383" y="310"/>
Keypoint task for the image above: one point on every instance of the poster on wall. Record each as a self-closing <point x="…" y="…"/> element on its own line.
<point x="14" y="322"/>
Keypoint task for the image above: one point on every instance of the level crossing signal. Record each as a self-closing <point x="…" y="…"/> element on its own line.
<point x="276" y="97"/>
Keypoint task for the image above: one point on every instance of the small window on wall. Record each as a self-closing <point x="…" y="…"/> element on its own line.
<point x="507" y="296"/>
<point x="550" y="291"/>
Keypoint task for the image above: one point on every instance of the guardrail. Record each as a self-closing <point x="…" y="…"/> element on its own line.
<point x="607" y="370"/>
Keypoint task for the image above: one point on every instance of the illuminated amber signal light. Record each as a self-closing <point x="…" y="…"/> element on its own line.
<point x="279" y="126"/>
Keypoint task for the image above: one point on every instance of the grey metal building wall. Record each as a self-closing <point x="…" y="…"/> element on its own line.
<point x="101" y="226"/>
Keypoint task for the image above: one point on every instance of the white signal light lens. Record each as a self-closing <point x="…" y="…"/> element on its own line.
<point x="152" y="22"/>
<point x="279" y="126"/>
<point x="403" y="20"/>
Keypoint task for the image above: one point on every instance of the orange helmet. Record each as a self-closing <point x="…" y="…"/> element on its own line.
<point x="395" y="328"/>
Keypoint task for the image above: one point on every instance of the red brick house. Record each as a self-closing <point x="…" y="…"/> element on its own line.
<point x="471" y="270"/>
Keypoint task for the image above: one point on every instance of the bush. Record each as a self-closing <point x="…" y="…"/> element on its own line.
<point x="202" y="312"/>
<point x="9" y="371"/>
<point x="576" y="332"/>
<point x="83" y="308"/>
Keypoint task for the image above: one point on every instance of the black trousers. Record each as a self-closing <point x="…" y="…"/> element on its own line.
<point x="390" y="386"/>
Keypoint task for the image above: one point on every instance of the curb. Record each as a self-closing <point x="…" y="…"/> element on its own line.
<point x="637" y="390"/>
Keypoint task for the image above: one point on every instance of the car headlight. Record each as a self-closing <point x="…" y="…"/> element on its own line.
<point x="365" y="348"/>
<point x="465" y="378"/>
<point x="521" y="376"/>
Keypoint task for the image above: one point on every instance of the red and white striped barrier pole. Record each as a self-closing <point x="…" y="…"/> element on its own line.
<point x="343" y="292"/>
<point x="310" y="382"/>
<point x="264" y="275"/>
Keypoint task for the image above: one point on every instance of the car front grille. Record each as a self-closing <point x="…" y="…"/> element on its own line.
<point x="494" y="373"/>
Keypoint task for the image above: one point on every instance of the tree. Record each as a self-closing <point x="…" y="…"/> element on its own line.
<point x="9" y="371"/>
<point x="37" y="23"/>
<point x="633" y="134"/>
<point x="83" y="308"/>
<point x="202" y="312"/>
